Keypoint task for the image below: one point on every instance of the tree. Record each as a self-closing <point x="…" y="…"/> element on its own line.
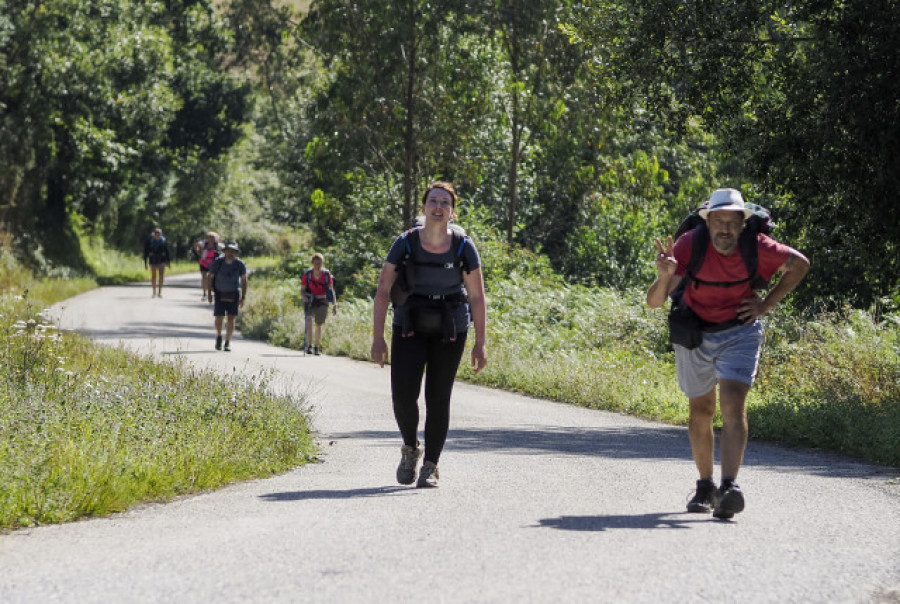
<point x="95" y="128"/>
<point x="802" y="99"/>
<point x="390" y="105"/>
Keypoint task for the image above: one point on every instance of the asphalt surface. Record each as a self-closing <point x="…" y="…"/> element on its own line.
<point x="539" y="502"/>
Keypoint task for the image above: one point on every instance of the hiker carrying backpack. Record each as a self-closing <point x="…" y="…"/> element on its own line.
<point x="442" y="293"/>
<point x="685" y="326"/>
<point x="717" y="336"/>
<point x="421" y="311"/>
<point x="317" y="292"/>
<point x="324" y="283"/>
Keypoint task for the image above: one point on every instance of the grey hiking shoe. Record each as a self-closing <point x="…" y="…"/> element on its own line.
<point x="729" y="501"/>
<point x="428" y="475"/>
<point x="409" y="459"/>
<point x="703" y="500"/>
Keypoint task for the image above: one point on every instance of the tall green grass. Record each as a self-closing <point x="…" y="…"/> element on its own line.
<point x="831" y="382"/>
<point x="88" y="430"/>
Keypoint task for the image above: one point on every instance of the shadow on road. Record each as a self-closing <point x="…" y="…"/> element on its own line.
<point x="630" y="443"/>
<point x="638" y="521"/>
<point x="153" y="330"/>
<point x="336" y="494"/>
<point x="651" y="442"/>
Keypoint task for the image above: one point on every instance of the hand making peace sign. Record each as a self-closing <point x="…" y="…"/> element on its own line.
<point x="665" y="259"/>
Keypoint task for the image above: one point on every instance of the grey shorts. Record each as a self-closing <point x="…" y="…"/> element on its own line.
<point x="732" y="354"/>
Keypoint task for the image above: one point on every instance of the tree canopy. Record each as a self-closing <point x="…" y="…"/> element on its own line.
<point x="581" y="130"/>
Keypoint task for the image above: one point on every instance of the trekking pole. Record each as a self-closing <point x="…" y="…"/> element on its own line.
<point x="305" y="323"/>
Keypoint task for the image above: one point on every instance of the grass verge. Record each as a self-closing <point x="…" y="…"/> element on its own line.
<point x="87" y="430"/>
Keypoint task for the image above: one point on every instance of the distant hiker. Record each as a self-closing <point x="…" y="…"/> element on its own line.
<point x="228" y="279"/>
<point x="156" y="254"/>
<point x="716" y="304"/>
<point x="318" y="290"/>
<point x="430" y="326"/>
<point x="207" y="250"/>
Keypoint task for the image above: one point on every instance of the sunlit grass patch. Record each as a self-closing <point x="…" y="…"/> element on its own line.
<point x="88" y="430"/>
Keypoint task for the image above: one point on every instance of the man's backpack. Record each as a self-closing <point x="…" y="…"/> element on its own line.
<point x="685" y="326"/>
<point x="327" y="280"/>
<point x="406" y="270"/>
<point x="759" y="222"/>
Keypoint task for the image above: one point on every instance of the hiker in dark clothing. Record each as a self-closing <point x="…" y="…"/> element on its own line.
<point x="429" y="328"/>
<point x="156" y="254"/>
<point x="228" y="279"/>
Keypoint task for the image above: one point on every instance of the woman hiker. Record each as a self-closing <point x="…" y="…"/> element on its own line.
<point x="430" y="327"/>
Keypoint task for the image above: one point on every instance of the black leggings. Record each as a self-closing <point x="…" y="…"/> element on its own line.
<point x="410" y="357"/>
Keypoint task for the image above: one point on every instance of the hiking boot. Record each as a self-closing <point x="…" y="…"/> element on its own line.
<point x="703" y="500"/>
<point x="218" y="342"/>
<point x="227" y="345"/>
<point x="729" y="501"/>
<point x="309" y="350"/>
<point x="316" y="351"/>
<point x="428" y="475"/>
<point x="409" y="459"/>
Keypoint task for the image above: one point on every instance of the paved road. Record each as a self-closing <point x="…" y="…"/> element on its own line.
<point x="539" y="502"/>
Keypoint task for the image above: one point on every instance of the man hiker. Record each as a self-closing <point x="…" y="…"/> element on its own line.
<point x="226" y="276"/>
<point x="720" y="294"/>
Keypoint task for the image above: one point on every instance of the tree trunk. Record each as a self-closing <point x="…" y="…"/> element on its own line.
<point x="514" y="168"/>
<point x="409" y="135"/>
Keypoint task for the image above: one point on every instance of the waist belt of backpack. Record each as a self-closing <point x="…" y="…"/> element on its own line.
<point x="698" y="282"/>
<point x="445" y="304"/>
<point x="717" y="327"/>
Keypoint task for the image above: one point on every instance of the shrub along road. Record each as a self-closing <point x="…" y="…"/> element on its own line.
<point x="538" y="502"/>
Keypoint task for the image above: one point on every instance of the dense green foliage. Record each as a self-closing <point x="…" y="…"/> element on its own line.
<point x="804" y="97"/>
<point x="116" y="111"/>
<point x="580" y="130"/>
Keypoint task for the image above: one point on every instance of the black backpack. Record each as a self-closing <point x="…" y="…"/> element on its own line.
<point x="406" y="270"/>
<point x="759" y="222"/>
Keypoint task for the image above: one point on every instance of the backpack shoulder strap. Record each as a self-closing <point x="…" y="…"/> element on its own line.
<point x="749" y="248"/>
<point x="459" y="244"/>
<point x="699" y="245"/>
<point x="408" y="237"/>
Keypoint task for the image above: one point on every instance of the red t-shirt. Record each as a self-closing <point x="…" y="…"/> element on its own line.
<point x="719" y="304"/>
<point x="317" y="287"/>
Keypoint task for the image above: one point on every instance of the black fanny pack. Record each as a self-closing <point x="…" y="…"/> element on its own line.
<point x="431" y="315"/>
<point x="685" y="326"/>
